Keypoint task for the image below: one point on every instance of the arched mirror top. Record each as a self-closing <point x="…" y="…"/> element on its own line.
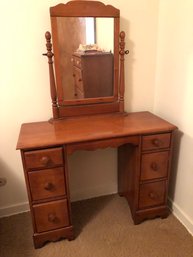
<point x="85" y="37"/>
<point x="84" y="9"/>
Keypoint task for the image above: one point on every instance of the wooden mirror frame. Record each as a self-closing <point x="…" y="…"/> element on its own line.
<point x="97" y="105"/>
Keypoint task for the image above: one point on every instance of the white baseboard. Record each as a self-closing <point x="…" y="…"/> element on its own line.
<point x="181" y="216"/>
<point x="14" y="209"/>
<point x="91" y="193"/>
<point x="76" y="195"/>
<point x="24" y="207"/>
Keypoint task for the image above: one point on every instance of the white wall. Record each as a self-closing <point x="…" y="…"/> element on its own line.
<point x="174" y="97"/>
<point x="24" y="87"/>
<point x="105" y="34"/>
<point x="25" y="95"/>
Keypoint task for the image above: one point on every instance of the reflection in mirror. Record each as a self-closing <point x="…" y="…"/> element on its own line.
<point x="85" y="57"/>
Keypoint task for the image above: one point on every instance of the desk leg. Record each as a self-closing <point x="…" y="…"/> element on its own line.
<point x="128" y="174"/>
<point x="143" y="176"/>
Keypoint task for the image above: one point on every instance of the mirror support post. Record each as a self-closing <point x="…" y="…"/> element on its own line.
<point x="53" y="92"/>
<point x="122" y="73"/>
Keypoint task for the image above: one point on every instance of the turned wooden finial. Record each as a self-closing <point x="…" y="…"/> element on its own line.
<point x="49" y="53"/>
<point x="53" y="92"/>
<point x="122" y="75"/>
<point x="122" y="43"/>
<point x="48" y="35"/>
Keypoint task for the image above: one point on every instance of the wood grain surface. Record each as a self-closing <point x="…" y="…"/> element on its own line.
<point x="89" y="128"/>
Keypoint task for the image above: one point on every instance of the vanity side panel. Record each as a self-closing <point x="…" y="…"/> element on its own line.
<point x="128" y="174"/>
<point x="67" y="183"/>
<point x="28" y="189"/>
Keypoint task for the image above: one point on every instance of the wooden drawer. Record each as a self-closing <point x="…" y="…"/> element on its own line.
<point x="78" y="78"/>
<point x="78" y="93"/>
<point x="77" y="61"/>
<point x="51" y="215"/>
<point x="156" y="141"/>
<point x="47" y="183"/>
<point x="152" y="194"/>
<point x="46" y="158"/>
<point x="154" y="165"/>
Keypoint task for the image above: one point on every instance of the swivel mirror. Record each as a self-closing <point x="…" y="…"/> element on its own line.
<point x="85" y="38"/>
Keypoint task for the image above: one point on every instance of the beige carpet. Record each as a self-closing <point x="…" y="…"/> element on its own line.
<point x="103" y="228"/>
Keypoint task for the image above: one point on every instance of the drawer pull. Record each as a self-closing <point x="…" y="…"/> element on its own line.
<point x="52" y="218"/>
<point x="48" y="186"/>
<point x="153" y="195"/>
<point x="156" y="142"/>
<point x="154" y="166"/>
<point x="45" y="160"/>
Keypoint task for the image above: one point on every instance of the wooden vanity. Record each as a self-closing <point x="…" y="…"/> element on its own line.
<point x="144" y="143"/>
<point x="144" y="140"/>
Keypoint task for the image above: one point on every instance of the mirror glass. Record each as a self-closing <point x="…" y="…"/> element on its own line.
<point x="85" y="54"/>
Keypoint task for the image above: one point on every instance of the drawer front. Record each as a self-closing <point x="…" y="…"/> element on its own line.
<point x="43" y="158"/>
<point x="78" y="78"/>
<point x="77" y="62"/>
<point x="51" y="215"/>
<point x="78" y="94"/>
<point x="154" y="165"/>
<point x="157" y="141"/>
<point x="47" y="183"/>
<point x="152" y="194"/>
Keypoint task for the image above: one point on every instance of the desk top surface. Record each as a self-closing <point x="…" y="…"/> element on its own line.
<point x="90" y="128"/>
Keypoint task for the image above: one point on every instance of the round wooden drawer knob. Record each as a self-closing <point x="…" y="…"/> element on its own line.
<point x="45" y="160"/>
<point x="156" y="142"/>
<point x="154" y="166"/>
<point x="48" y="186"/>
<point x="52" y="218"/>
<point x="153" y="195"/>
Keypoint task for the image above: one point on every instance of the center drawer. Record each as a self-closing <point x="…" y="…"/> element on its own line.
<point x="47" y="183"/>
<point x="154" y="165"/>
